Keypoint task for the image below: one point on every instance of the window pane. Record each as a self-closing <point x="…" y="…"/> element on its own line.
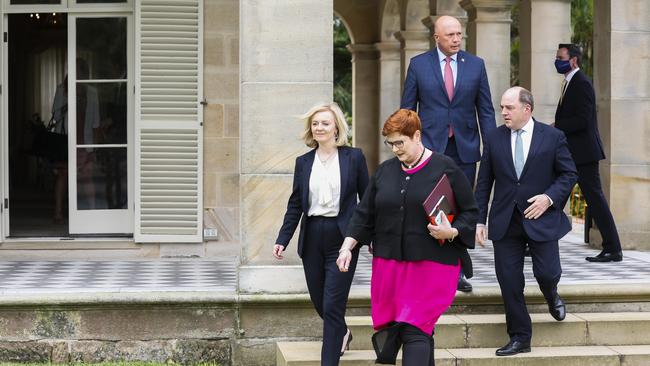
<point x="99" y="1"/>
<point x="101" y="178"/>
<point x="30" y="2"/>
<point x="101" y="48"/>
<point x="101" y="113"/>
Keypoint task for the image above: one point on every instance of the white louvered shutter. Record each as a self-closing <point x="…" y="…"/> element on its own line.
<point x="168" y="116"/>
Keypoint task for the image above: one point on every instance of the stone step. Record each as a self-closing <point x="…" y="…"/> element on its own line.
<point x="489" y="330"/>
<point x="308" y="354"/>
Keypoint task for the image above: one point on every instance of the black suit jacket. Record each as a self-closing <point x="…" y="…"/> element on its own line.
<point x="548" y="169"/>
<point x="576" y="117"/>
<point x="354" y="179"/>
<point x="392" y="217"/>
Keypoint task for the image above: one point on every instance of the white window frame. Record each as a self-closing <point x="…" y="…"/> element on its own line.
<point x="68" y="6"/>
<point x="111" y="221"/>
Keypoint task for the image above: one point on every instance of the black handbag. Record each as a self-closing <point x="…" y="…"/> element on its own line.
<point x="387" y="343"/>
<point x="48" y="144"/>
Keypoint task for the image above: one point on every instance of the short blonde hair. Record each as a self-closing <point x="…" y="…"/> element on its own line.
<point x="339" y="120"/>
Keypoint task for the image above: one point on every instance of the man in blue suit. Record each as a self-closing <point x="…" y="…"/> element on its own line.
<point x="532" y="171"/>
<point x="448" y="88"/>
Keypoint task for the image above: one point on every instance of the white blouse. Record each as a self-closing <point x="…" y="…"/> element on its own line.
<point x="325" y="187"/>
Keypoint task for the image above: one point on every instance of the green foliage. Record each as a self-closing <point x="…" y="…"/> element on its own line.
<point x="582" y="24"/>
<point x="342" y="69"/>
<point x="578" y="203"/>
<point x="514" y="46"/>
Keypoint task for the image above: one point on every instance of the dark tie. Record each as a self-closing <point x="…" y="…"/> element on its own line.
<point x="449" y="86"/>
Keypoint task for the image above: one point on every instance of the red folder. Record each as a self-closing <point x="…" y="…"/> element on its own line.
<point x="441" y="198"/>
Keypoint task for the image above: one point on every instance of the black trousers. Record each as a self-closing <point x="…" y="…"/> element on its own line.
<point x="328" y="287"/>
<point x="469" y="169"/>
<point x="509" y="264"/>
<point x="589" y="182"/>
<point x="417" y="346"/>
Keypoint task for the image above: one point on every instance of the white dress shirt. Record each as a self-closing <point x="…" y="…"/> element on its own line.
<point x="325" y="187"/>
<point x="569" y="76"/>
<point x="526" y="137"/>
<point x="454" y="65"/>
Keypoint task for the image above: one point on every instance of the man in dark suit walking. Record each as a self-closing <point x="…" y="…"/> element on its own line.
<point x="576" y="117"/>
<point x="448" y="88"/>
<point x="531" y="169"/>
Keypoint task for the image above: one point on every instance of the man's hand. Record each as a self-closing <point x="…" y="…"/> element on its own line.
<point x="539" y="204"/>
<point x="277" y="251"/>
<point x="481" y="235"/>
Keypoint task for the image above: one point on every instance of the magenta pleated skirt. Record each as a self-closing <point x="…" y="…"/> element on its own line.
<point x="416" y="292"/>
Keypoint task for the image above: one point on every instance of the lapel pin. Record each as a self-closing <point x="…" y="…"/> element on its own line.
<point x="462" y="60"/>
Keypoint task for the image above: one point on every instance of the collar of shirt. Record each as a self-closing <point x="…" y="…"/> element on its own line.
<point x="528" y="127"/>
<point x="453" y="64"/>
<point x="569" y="76"/>
<point x="526" y="138"/>
<point x="442" y="56"/>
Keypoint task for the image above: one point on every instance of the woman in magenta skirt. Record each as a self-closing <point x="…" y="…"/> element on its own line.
<point x="416" y="264"/>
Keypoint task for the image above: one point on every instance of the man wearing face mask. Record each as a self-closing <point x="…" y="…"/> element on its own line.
<point x="576" y="117"/>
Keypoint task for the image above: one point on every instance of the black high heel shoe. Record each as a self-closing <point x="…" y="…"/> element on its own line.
<point x="347" y="344"/>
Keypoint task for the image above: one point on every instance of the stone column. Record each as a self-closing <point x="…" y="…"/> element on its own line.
<point x="413" y="43"/>
<point x="488" y="30"/>
<point x="365" y="100"/>
<point x="621" y="74"/>
<point x="543" y="24"/>
<point x="389" y="88"/>
<point x="285" y="68"/>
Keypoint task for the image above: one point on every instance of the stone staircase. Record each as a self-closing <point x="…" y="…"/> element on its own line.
<point x="593" y="339"/>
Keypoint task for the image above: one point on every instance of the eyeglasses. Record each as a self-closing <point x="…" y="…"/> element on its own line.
<point x="397" y="143"/>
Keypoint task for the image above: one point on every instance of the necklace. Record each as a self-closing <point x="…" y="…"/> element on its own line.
<point x="326" y="160"/>
<point x="411" y="166"/>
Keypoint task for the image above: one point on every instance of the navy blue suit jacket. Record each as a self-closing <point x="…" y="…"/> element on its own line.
<point x="548" y="169"/>
<point x="424" y="92"/>
<point x="354" y="179"/>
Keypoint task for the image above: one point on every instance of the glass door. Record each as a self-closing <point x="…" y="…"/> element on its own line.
<point x="4" y="154"/>
<point x="100" y="84"/>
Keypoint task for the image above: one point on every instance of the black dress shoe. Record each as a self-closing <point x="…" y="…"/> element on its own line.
<point x="463" y="284"/>
<point x="347" y="344"/>
<point x="606" y="257"/>
<point x="557" y="309"/>
<point x="513" y="347"/>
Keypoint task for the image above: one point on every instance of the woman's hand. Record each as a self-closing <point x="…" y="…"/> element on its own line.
<point x="277" y="251"/>
<point x="442" y="231"/>
<point x="344" y="259"/>
<point x="345" y="254"/>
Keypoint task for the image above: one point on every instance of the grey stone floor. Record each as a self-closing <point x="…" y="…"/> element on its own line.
<point x="34" y="277"/>
<point x="635" y="267"/>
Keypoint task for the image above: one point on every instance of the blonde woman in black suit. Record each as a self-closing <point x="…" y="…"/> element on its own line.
<point x="328" y="181"/>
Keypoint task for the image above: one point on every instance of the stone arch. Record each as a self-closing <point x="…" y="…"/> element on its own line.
<point x="361" y="19"/>
<point x="390" y="20"/>
<point x="346" y="24"/>
<point x="415" y="12"/>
